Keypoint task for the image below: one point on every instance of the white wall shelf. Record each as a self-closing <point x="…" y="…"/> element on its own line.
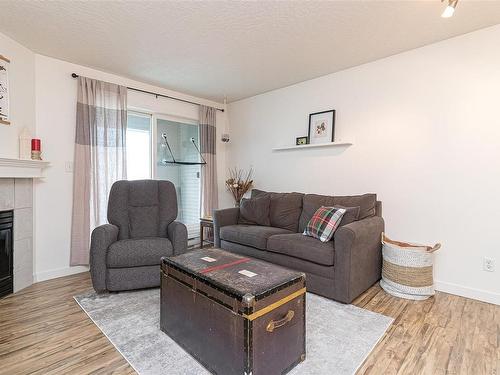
<point x="320" y="145"/>
<point x="18" y="168"/>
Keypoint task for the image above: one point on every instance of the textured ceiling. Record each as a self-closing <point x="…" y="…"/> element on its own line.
<point x="239" y="49"/>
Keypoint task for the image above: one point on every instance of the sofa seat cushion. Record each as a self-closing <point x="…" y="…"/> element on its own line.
<point x="250" y="235"/>
<point x="138" y="252"/>
<point x="303" y="247"/>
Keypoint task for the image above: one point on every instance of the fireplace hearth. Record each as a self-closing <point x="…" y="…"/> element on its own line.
<point x="6" y="253"/>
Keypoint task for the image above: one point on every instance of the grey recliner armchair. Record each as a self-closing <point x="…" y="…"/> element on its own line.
<point x="125" y="254"/>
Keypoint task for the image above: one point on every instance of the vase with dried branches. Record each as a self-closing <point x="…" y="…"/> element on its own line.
<point x="238" y="183"/>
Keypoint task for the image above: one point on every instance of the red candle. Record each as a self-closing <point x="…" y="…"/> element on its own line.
<point x="36" y="145"/>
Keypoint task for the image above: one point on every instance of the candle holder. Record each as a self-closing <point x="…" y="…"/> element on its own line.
<point x="36" y="149"/>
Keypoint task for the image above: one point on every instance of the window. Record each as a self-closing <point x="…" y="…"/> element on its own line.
<point x="138" y="146"/>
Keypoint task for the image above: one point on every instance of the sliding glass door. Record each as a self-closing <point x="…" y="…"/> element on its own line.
<point x="180" y="135"/>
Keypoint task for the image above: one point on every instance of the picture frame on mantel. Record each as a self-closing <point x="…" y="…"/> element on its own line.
<point x="322" y="127"/>
<point x="4" y="90"/>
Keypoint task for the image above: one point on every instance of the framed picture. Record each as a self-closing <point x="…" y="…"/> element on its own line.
<point x="322" y="127"/>
<point x="302" y="141"/>
<point x="4" y="90"/>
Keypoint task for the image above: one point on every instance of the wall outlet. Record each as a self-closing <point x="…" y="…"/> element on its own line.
<point x="488" y="264"/>
<point x="68" y="167"/>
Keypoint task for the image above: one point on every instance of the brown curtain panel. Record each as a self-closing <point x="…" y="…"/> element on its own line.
<point x="209" y="192"/>
<point x="100" y="158"/>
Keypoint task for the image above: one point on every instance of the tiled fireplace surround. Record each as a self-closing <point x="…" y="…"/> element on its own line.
<point x="17" y="194"/>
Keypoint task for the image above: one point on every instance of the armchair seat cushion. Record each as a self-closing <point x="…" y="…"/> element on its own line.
<point x="250" y="235"/>
<point x="138" y="252"/>
<point x="303" y="247"/>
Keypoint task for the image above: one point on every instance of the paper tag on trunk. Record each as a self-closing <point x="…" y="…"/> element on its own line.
<point x="247" y="273"/>
<point x="208" y="259"/>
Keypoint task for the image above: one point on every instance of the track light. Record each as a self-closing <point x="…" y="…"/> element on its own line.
<point x="450" y="9"/>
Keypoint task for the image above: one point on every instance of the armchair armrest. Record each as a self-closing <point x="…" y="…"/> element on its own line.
<point x="102" y="237"/>
<point x="177" y="233"/>
<point x="226" y="216"/>
<point x="358" y="257"/>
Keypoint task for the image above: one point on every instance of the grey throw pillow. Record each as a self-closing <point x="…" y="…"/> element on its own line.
<point x="351" y="215"/>
<point x="367" y="203"/>
<point x="255" y="211"/>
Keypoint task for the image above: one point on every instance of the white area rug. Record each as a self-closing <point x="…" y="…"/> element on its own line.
<point x="339" y="337"/>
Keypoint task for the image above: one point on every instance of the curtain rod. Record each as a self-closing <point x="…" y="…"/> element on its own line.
<point x="74" y="75"/>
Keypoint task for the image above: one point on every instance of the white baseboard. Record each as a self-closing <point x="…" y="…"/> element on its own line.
<point x="459" y="290"/>
<point x="58" y="272"/>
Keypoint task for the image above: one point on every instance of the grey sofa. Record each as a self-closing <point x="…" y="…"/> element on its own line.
<point x="340" y="269"/>
<point x="125" y="254"/>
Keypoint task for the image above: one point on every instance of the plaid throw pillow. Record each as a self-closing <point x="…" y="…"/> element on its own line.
<point x="324" y="222"/>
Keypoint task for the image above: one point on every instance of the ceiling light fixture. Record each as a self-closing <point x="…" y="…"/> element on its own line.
<point x="450" y="9"/>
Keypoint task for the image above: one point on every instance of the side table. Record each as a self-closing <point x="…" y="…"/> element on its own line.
<point x="205" y="222"/>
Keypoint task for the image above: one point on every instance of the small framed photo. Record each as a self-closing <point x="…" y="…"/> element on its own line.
<point x="302" y="141"/>
<point x="322" y="127"/>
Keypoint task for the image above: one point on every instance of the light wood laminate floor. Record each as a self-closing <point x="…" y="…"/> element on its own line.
<point x="44" y="331"/>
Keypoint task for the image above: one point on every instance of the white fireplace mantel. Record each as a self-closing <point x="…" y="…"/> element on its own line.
<point x="18" y="168"/>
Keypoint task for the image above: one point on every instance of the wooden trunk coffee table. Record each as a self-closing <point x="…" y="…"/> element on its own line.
<point x="235" y="315"/>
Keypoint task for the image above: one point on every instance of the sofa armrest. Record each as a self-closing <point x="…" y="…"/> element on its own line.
<point x="102" y="237"/>
<point x="177" y="234"/>
<point x="358" y="257"/>
<point x="226" y="216"/>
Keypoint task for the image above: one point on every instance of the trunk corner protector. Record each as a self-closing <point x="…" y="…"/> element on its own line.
<point x="248" y="300"/>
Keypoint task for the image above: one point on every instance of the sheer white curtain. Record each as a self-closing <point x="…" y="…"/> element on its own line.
<point x="100" y="158"/>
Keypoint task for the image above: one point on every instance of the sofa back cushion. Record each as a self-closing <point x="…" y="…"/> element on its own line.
<point x="255" y="211"/>
<point x="358" y="207"/>
<point x="366" y="202"/>
<point x="142" y="208"/>
<point x="143" y="221"/>
<point x="284" y="208"/>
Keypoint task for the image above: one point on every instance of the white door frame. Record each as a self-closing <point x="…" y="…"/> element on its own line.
<point x="140" y="112"/>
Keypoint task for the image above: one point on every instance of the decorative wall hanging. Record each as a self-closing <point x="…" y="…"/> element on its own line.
<point x="322" y="127"/>
<point x="4" y="90"/>
<point x="173" y="161"/>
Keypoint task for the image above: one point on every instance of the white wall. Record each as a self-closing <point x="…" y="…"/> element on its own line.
<point x="55" y="119"/>
<point x="22" y="95"/>
<point x="426" y="130"/>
